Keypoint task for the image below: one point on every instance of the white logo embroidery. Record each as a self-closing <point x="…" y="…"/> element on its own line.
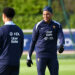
<point x="11" y="33"/>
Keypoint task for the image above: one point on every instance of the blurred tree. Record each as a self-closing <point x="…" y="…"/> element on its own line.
<point x="29" y="12"/>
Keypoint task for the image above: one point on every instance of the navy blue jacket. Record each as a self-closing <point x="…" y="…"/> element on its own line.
<point x="11" y="45"/>
<point x="45" y="38"/>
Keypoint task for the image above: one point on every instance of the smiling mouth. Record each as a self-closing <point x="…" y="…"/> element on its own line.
<point x="46" y="19"/>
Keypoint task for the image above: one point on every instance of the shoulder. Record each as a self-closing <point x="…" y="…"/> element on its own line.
<point x="57" y="23"/>
<point x="38" y="24"/>
<point x="18" y="29"/>
<point x="2" y="27"/>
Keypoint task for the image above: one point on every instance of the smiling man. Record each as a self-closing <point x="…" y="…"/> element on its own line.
<point x="45" y="36"/>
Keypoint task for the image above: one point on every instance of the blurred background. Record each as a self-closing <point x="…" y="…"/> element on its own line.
<point x="29" y="12"/>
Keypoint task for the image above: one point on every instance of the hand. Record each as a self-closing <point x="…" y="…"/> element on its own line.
<point x="29" y="62"/>
<point x="61" y="49"/>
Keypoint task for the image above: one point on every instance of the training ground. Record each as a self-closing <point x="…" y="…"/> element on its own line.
<point x="66" y="64"/>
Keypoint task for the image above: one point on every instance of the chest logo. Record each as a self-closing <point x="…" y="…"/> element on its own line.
<point x="54" y="26"/>
<point x="38" y="59"/>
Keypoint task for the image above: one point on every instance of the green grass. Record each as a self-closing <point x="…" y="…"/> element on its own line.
<point x="66" y="66"/>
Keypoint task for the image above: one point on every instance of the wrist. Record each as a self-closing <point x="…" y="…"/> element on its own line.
<point x="28" y="57"/>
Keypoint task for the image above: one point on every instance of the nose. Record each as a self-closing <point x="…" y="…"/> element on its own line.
<point x="45" y="15"/>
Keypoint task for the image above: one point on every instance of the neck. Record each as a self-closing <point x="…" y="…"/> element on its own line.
<point x="7" y="19"/>
<point x="48" y="21"/>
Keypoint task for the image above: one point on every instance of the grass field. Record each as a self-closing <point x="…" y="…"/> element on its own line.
<point x="66" y="66"/>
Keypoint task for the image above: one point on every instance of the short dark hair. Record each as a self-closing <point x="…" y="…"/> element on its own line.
<point x="9" y="12"/>
<point x="47" y="8"/>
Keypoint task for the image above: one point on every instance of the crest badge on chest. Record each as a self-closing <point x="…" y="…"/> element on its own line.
<point x="54" y="26"/>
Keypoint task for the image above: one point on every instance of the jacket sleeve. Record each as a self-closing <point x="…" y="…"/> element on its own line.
<point x="33" y="42"/>
<point x="61" y="36"/>
<point x="22" y="44"/>
<point x="1" y="37"/>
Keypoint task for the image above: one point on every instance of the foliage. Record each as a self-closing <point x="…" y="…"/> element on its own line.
<point x="29" y="12"/>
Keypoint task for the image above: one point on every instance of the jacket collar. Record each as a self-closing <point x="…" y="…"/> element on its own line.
<point x="9" y="23"/>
